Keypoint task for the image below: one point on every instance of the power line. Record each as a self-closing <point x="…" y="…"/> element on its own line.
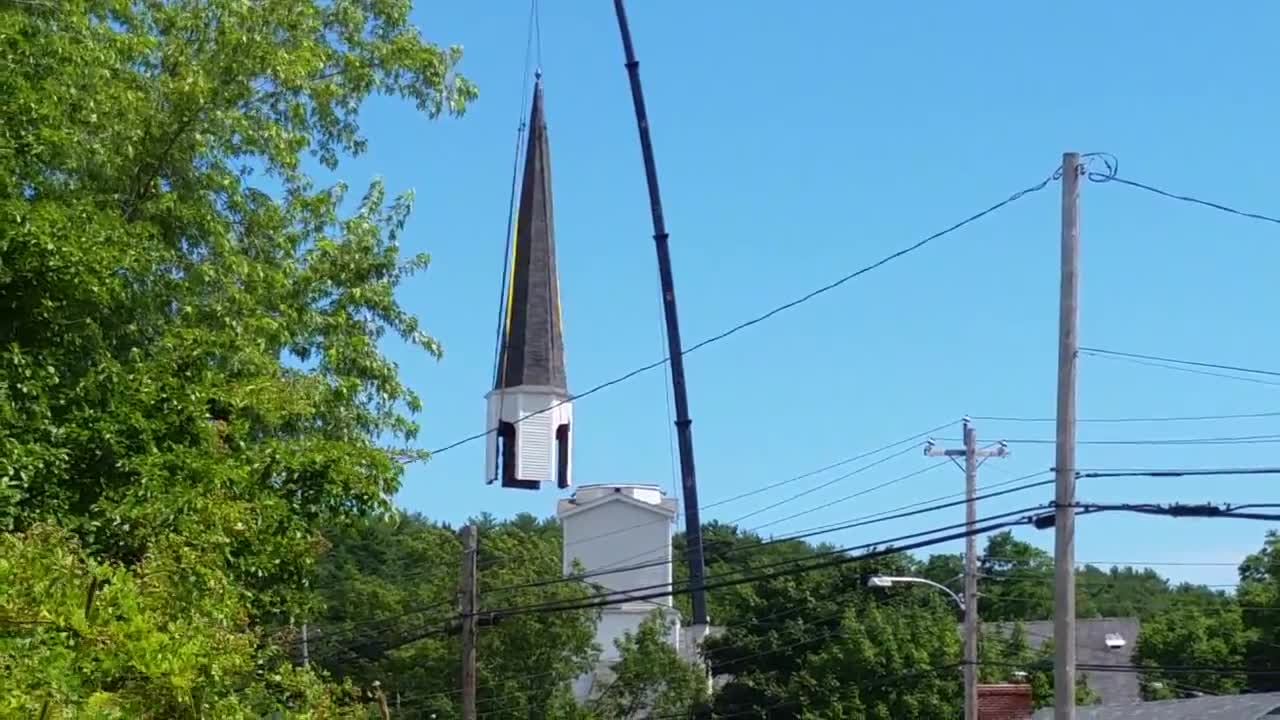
<point x="1183" y="198"/>
<point x="1176" y="361"/>
<point x="1232" y="440"/>
<point x="1189" y="370"/>
<point x="824" y="485"/>
<point x="1177" y="472"/>
<point x="1206" y="510"/>
<point x="821" y="530"/>
<point x="783" y="307"/>
<point x="857" y="521"/>
<point x="788" y="567"/>
<point x="1131" y="563"/>
<point x="851" y="496"/>
<point x="1171" y="418"/>
<point x="888" y="515"/>
<point x="826" y="560"/>
<point x="866" y="520"/>
<point x="832" y="466"/>
<point x="796" y="478"/>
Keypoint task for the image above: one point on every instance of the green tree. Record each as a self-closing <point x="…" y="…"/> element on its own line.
<point x="821" y="644"/>
<point x="386" y="598"/>
<point x="1016" y="580"/>
<point x="164" y="639"/>
<point x="650" y="677"/>
<point x="1259" y="598"/>
<point x="190" y="372"/>
<point x="1193" y="632"/>
<point x="944" y="568"/>
<point x="1120" y="592"/>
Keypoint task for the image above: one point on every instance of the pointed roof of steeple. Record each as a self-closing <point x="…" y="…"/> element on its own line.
<point x="532" y="350"/>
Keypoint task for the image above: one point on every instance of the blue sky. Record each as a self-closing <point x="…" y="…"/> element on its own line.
<point x="797" y="142"/>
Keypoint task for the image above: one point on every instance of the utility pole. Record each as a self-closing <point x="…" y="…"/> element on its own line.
<point x="675" y="351"/>
<point x="1064" y="522"/>
<point x="470" y="546"/>
<point x="972" y="456"/>
<point x="306" y="655"/>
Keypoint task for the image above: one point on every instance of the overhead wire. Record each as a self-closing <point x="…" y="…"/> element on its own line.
<point x="825" y="559"/>
<point x="1101" y="583"/>
<point x="809" y="491"/>
<point x="783" y="307"/>
<point x="1174" y="472"/>
<point x="1155" y="419"/>
<point x="860" y="493"/>
<point x="804" y="567"/>
<point x="1177" y="361"/>
<point x="832" y="466"/>
<point x="1229" y="440"/>
<point x="858" y="521"/>
<point x="872" y="519"/>
<point x="796" y="478"/>
<point x="816" y="561"/>
<point x="911" y="510"/>
<point x="1206" y="510"/>
<point x="1114" y="177"/>
<point x="1185" y="369"/>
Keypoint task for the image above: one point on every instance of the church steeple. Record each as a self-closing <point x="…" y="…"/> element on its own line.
<point x="529" y="405"/>
<point x="533" y="340"/>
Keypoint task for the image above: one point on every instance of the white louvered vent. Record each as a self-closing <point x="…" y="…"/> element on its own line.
<point x="535" y="440"/>
<point x="1114" y="641"/>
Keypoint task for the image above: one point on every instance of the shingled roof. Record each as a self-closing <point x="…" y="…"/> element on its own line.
<point x="532" y="350"/>
<point x="1112" y="687"/>
<point x="1261" y="706"/>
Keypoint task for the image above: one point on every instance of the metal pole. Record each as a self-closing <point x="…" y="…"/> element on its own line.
<point x="468" y="577"/>
<point x="306" y="655"/>
<point x="970" y="573"/>
<point x="675" y="351"/>
<point x="1064" y="551"/>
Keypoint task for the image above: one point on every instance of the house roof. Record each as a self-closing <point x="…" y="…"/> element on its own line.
<point x="531" y="351"/>
<point x="1225" y="707"/>
<point x="1113" y="688"/>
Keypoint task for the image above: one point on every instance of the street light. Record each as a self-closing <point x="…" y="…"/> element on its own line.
<point x="888" y="581"/>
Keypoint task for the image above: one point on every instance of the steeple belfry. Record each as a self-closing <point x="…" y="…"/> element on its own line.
<point x="530" y="403"/>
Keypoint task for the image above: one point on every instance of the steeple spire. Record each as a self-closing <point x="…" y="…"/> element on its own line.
<point x="533" y="340"/>
<point x="529" y="405"/>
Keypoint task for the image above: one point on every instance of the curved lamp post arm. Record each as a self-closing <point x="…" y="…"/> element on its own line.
<point x="884" y="581"/>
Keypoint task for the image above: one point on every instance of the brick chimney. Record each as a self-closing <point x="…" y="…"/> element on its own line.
<point x="1004" y="702"/>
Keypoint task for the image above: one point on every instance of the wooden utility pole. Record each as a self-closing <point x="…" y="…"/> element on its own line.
<point x="470" y="546"/>
<point x="1064" y="523"/>
<point x="971" y="455"/>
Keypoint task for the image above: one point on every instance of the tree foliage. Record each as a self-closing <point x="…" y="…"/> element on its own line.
<point x="1194" y="629"/>
<point x="166" y="638"/>
<point x="387" y="589"/>
<point x="1259" y="598"/>
<point x="650" y="678"/>
<point x="191" y="383"/>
